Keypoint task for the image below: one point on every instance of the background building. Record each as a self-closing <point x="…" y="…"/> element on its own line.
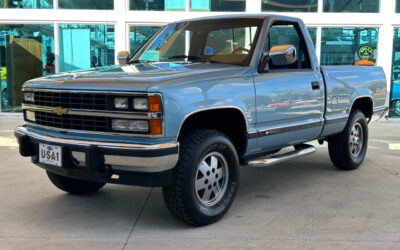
<point x="42" y="37"/>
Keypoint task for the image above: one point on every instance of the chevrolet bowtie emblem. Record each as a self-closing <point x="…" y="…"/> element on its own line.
<point x="60" y="111"/>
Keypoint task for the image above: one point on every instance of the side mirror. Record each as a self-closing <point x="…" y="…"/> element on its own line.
<point x="122" y="58"/>
<point x="280" y="55"/>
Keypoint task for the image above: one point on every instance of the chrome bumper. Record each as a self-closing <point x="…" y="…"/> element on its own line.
<point x="118" y="156"/>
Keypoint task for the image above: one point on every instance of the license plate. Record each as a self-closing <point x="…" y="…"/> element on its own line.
<point x="49" y="154"/>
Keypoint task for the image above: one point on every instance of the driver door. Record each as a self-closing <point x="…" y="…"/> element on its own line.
<point x="289" y="98"/>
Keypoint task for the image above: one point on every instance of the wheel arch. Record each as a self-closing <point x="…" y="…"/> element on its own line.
<point x="224" y="119"/>
<point x="365" y="104"/>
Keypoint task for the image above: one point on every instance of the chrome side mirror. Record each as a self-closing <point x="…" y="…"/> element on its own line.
<point x="122" y="58"/>
<point x="282" y="55"/>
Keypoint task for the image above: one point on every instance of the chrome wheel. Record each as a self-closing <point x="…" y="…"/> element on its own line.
<point x="211" y="179"/>
<point x="356" y="140"/>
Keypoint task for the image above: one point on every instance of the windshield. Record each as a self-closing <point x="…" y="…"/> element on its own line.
<point x="229" y="41"/>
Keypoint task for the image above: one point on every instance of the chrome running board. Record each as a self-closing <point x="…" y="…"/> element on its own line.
<point x="300" y="151"/>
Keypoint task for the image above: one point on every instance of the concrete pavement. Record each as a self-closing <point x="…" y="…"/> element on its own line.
<point x="302" y="204"/>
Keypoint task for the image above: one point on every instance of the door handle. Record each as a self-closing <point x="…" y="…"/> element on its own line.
<point x="315" y="85"/>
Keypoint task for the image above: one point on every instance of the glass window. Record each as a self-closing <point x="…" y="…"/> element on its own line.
<point x="290" y="5"/>
<point x="138" y="35"/>
<point x="85" y="46"/>
<point x="395" y="89"/>
<point x="26" y="52"/>
<point x="86" y="4"/>
<point x="218" y="5"/>
<point x="161" y="5"/>
<point x="229" y="41"/>
<point x="371" y="6"/>
<point x="26" y="4"/>
<point x="313" y="34"/>
<point x="281" y="35"/>
<point x="349" y="46"/>
<point x="398" y="6"/>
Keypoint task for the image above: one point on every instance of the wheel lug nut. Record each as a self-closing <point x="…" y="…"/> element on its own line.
<point x="209" y="186"/>
<point x="208" y="172"/>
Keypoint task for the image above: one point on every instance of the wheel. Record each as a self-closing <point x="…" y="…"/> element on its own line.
<point x="205" y="179"/>
<point x="74" y="186"/>
<point x="347" y="150"/>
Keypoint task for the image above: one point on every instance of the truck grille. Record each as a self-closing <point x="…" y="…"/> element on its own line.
<point x="76" y="122"/>
<point x="93" y="101"/>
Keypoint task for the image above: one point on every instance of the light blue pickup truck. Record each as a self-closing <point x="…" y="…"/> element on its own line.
<point x="196" y="101"/>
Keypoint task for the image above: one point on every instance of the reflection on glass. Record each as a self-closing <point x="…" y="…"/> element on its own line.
<point x="397" y="6"/>
<point x="218" y="5"/>
<point x="161" y="5"/>
<point x="86" y="4"/>
<point x="313" y="34"/>
<point x="349" y="46"/>
<point x="27" y="4"/>
<point x="370" y="6"/>
<point x="26" y="52"/>
<point x="85" y="46"/>
<point x="229" y="41"/>
<point x="290" y="5"/>
<point x="138" y="35"/>
<point x="395" y="89"/>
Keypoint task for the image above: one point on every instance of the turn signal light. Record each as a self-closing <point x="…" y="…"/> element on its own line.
<point x="155" y="127"/>
<point x="154" y="104"/>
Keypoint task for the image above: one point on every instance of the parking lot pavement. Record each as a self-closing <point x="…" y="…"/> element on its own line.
<point x="305" y="203"/>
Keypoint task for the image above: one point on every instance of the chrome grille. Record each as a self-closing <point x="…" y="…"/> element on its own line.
<point x="92" y="101"/>
<point x="76" y="122"/>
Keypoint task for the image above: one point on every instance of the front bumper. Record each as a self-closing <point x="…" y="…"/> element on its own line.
<point x="121" y="163"/>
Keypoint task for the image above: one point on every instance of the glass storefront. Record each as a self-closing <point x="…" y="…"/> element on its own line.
<point x="160" y="5"/>
<point x="397" y="6"/>
<point x="290" y="5"/>
<point x="138" y="35"/>
<point x="366" y="6"/>
<point x="395" y="89"/>
<point x="26" y="52"/>
<point x="27" y="4"/>
<point x="218" y="5"/>
<point x="349" y="46"/>
<point x="86" y="4"/>
<point x="313" y="34"/>
<point x="85" y="46"/>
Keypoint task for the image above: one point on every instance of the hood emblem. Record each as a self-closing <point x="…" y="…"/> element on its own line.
<point x="60" y="111"/>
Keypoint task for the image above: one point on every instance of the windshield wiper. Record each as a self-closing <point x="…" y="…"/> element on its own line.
<point x="185" y="56"/>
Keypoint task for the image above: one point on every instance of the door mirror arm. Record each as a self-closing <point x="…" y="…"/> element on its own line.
<point x="263" y="66"/>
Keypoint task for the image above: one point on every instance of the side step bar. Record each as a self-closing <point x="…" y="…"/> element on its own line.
<point x="300" y="151"/>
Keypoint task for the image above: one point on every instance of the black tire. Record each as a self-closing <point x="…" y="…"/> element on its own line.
<point x="341" y="152"/>
<point x="183" y="198"/>
<point x="74" y="186"/>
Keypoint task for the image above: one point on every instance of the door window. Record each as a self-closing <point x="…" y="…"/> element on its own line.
<point x="280" y="35"/>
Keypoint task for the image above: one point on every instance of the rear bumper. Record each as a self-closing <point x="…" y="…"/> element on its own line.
<point x="121" y="163"/>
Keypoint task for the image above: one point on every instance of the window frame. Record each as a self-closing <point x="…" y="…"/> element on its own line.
<point x="302" y="43"/>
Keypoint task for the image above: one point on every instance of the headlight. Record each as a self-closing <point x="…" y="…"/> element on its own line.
<point x="140" y="104"/>
<point x="30" y="116"/>
<point x="130" y="125"/>
<point x="29" y="97"/>
<point x="121" y="103"/>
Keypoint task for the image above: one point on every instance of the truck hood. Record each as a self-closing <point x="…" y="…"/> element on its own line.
<point x="136" y="77"/>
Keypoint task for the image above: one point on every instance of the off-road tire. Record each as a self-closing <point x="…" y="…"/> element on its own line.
<point x="181" y="198"/>
<point x="339" y="145"/>
<point x="74" y="186"/>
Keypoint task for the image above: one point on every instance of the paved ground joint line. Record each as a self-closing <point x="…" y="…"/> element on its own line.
<point x="137" y="219"/>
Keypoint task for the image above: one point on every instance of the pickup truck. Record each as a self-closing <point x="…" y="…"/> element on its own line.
<point x="199" y="99"/>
